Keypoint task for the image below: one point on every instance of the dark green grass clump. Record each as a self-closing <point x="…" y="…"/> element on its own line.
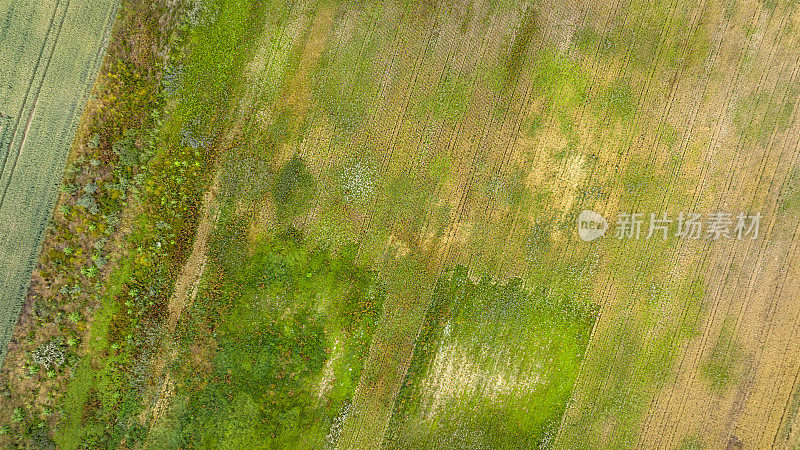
<point x="282" y="316"/>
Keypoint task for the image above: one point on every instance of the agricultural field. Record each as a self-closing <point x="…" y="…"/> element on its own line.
<point x="50" y="57"/>
<point x="426" y="224"/>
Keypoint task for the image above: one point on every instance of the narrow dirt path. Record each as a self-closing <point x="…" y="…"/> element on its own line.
<point x="187" y="285"/>
<point x="186" y="288"/>
<point x="188" y="282"/>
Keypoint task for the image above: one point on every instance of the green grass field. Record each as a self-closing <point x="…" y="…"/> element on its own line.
<point x="356" y="228"/>
<point x="51" y="54"/>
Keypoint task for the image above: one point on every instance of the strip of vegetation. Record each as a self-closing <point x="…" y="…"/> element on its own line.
<point x="81" y="247"/>
<point x="173" y="181"/>
<point x="126" y="219"/>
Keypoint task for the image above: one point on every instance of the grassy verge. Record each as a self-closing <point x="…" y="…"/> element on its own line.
<point x="175" y="154"/>
<point x="80" y="246"/>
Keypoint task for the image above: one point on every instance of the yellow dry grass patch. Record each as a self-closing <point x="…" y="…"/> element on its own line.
<point x="455" y="375"/>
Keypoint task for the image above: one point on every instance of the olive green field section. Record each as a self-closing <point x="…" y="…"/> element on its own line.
<point x="50" y="55"/>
